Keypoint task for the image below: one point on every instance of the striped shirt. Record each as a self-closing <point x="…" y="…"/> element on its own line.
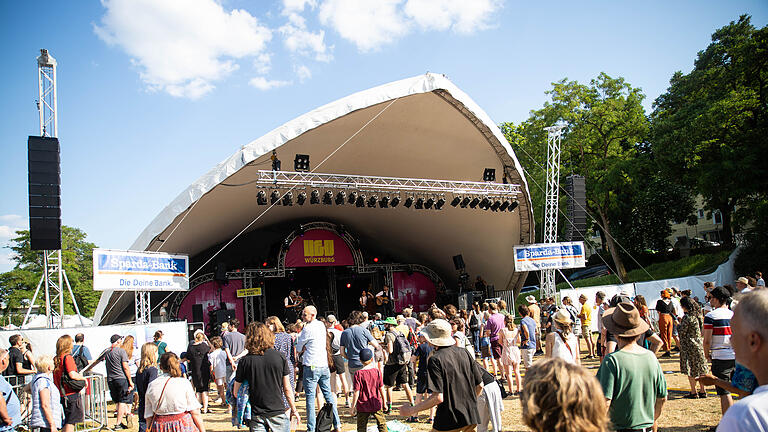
<point x="719" y="321"/>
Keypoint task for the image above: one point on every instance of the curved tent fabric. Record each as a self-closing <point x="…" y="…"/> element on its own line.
<point x="370" y="101"/>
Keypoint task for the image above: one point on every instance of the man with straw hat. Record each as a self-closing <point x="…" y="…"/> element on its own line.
<point x="454" y="379"/>
<point x="631" y="376"/>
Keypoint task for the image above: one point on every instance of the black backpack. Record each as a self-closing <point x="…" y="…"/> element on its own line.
<point x="80" y="360"/>
<point x="401" y="349"/>
<point x="324" y="419"/>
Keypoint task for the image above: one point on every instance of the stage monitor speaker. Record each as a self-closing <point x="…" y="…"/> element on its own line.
<point x="224" y="315"/>
<point x="220" y="272"/>
<point x="458" y="262"/>
<point x="576" y="215"/>
<point x="192" y="328"/>
<point x="197" y="313"/>
<point x="43" y="159"/>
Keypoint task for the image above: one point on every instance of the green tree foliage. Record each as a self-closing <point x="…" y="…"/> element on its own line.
<point x="18" y="285"/>
<point x="604" y="140"/>
<point x="709" y="128"/>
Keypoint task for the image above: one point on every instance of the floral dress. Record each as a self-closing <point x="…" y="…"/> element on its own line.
<point x="284" y="345"/>
<point x="692" y="360"/>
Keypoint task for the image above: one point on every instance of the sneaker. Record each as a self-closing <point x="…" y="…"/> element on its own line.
<point x="691" y="396"/>
<point x="702" y="395"/>
<point x="412" y="419"/>
<point x="122" y="426"/>
<point x="666" y="355"/>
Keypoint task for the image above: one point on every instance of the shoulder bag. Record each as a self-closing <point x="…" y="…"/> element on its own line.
<point x="160" y="399"/>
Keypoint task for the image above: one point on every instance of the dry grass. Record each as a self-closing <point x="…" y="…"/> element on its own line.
<point x="679" y="414"/>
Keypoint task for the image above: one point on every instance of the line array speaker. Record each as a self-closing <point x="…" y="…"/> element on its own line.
<point x="576" y="208"/>
<point x="44" y="193"/>
<point x="458" y="262"/>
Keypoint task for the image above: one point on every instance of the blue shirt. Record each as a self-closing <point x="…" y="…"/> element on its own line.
<point x="354" y="339"/>
<point x="37" y="419"/>
<point x="530" y="324"/>
<point x="86" y="352"/>
<point x="423" y="351"/>
<point x="12" y="404"/>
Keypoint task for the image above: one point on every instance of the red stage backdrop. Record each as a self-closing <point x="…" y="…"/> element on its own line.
<point x="207" y="294"/>
<point x="318" y="248"/>
<point x="415" y="289"/>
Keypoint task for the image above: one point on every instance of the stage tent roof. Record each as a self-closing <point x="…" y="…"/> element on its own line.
<point x="421" y="127"/>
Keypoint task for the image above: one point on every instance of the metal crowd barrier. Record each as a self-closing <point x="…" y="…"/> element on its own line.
<point x="94" y="403"/>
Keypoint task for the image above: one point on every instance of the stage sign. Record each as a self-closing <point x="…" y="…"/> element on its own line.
<point x="545" y="256"/>
<point x="249" y="292"/>
<point x="139" y="271"/>
<point x="318" y="248"/>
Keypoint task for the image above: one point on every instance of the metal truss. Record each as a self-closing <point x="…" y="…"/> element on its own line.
<point x="141" y="307"/>
<point x="291" y="179"/>
<point x="554" y="135"/>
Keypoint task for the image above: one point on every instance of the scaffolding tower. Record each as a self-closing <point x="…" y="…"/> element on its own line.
<point x="554" y="134"/>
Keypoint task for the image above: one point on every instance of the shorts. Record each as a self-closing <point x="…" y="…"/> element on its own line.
<point x="585" y="330"/>
<point x="118" y="390"/>
<point x="395" y="374"/>
<point x="72" y="406"/>
<point x="338" y="363"/>
<point x="496" y="349"/>
<point x="723" y="369"/>
<point x="221" y="381"/>
<point x="421" y="384"/>
<point x="485" y="351"/>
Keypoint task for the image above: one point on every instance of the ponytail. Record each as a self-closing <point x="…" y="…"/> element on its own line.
<point x="169" y="363"/>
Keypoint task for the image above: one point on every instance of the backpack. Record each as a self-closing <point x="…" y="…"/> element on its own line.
<point x="80" y="360"/>
<point x="413" y="340"/>
<point x="324" y="419"/>
<point x="474" y="325"/>
<point x="401" y="349"/>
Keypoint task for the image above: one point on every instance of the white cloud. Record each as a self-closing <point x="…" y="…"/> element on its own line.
<point x="372" y="23"/>
<point x="263" y="63"/>
<point x="182" y="47"/>
<point x="297" y="39"/>
<point x="9" y="225"/>
<point x="262" y="83"/>
<point x="294" y="6"/>
<point x="303" y="73"/>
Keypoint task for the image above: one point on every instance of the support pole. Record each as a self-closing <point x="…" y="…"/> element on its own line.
<point x="554" y="134"/>
<point x="141" y="303"/>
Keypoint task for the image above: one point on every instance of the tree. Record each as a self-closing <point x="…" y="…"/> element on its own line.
<point x="604" y="121"/>
<point x="709" y="128"/>
<point x="18" y="285"/>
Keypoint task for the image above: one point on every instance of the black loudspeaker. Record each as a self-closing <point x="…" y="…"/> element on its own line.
<point x="458" y="262"/>
<point x="197" y="313"/>
<point x="224" y="315"/>
<point x="576" y="225"/>
<point x="44" y="193"/>
<point x="220" y="272"/>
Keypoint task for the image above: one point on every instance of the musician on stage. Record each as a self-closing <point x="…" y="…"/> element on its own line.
<point x="365" y="298"/>
<point x="385" y="302"/>
<point x="292" y="305"/>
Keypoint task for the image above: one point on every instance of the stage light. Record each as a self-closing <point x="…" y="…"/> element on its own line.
<point x="352" y="197"/>
<point x="341" y="197"/>
<point x="440" y="203"/>
<point x="302" y="198"/>
<point x="288" y="199"/>
<point x="408" y="202"/>
<point x="456" y="201"/>
<point x="328" y="198"/>
<point x="261" y="198"/>
<point x="428" y="204"/>
<point x="301" y="162"/>
<point x="264" y="264"/>
<point x="485" y="204"/>
<point x="275" y="197"/>
<point x="465" y="202"/>
<point x="349" y="285"/>
<point x="300" y="231"/>
<point x="375" y="259"/>
<point x="489" y="175"/>
<point x="372" y="201"/>
<point x="475" y="202"/>
<point x="512" y="206"/>
<point x="504" y="205"/>
<point x="384" y="202"/>
<point x="395" y="201"/>
<point x="275" y="161"/>
<point x="315" y="197"/>
<point x="360" y="201"/>
<point x="419" y="203"/>
<point x="495" y="206"/>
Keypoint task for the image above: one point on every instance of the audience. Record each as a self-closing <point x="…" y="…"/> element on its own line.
<point x="10" y="408"/>
<point x="717" y="341"/>
<point x="171" y="403"/>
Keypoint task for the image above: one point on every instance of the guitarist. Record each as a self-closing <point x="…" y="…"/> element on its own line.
<point x="292" y="304"/>
<point x="384" y="302"/>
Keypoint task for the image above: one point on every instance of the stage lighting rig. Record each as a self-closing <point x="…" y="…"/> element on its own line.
<point x="275" y="197"/>
<point x="439" y="203"/>
<point x="408" y="202"/>
<point x="475" y="201"/>
<point x="315" y="197"/>
<point x="428" y="203"/>
<point x="328" y="198"/>
<point x="302" y="198"/>
<point x="495" y="206"/>
<point x="360" y="201"/>
<point x="372" y="201"/>
<point x="504" y="205"/>
<point x="384" y="202"/>
<point x="485" y="204"/>
<point x="275" y="161"/>
<point x="352" y="197"/>
<point x="465" y="202"/>
<point x="512" y="206"/>
<point x="341" y="197"/>
<point x="419" y="203"/>
<point x="456" y="201"/>
<point x="301" y="163"/>
<point x="489" y="175"/>
<point x="288" y="199"/>
<point x="261" y="198"/>
<point x="395" y="201"/>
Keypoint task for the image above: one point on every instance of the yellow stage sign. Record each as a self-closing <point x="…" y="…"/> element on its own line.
<point x="249" y="292"/>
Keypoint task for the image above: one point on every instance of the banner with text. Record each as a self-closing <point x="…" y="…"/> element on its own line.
<point x="139" y="271"/>
<point x="318" y="248"/>
<point x="545" y="256"/>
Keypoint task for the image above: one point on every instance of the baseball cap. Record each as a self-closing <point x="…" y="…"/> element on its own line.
<point x="115" y="338"/>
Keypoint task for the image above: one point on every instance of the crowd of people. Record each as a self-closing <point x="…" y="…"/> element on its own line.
<point x="452" y="366"/>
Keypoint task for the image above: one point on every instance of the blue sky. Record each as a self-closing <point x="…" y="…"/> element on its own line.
<point x="152" y="94"/>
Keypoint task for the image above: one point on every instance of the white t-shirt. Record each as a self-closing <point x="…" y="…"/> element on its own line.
<point x="179" y="397"/>
<point x="749" y="414"/>
<point x="218" y="359"/>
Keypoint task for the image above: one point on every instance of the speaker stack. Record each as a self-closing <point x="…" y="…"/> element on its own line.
<point x="576" y="208"/>
<point x="44" y="193"/>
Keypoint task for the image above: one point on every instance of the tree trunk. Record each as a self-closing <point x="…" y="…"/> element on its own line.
<point x="609" y="241"/>
<point x="726" y="213"/>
